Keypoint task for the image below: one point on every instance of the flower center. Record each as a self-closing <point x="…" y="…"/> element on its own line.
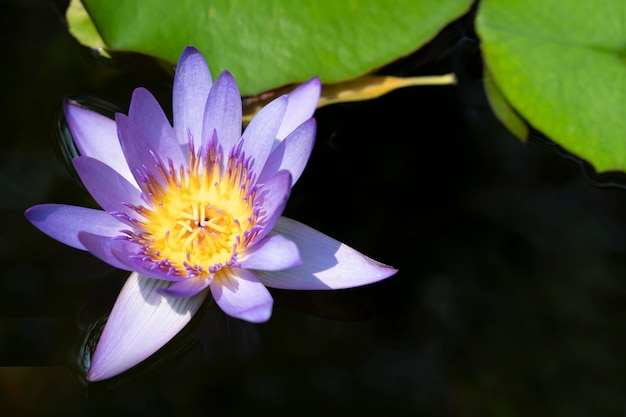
<point x="199" y="217"/>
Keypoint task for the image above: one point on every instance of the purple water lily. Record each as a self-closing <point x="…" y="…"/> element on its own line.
<point x="196" y="208"/>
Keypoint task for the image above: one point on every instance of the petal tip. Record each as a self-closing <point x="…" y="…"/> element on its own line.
<point x="94" y="375"/>
<point x="190" y="51"/>
<point x="69" y="104"/>
<point x="259" y="314"/>
<point x="315" y="81"/>
<point x="227" y="78"/>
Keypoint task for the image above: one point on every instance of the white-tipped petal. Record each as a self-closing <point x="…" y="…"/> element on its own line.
<point x="326" y="263"/>
<point x="141" y="322"/>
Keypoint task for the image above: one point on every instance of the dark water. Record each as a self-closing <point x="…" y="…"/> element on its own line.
<point x="510" y="295"/>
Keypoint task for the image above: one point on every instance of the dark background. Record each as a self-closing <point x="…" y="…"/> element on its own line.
<point x="509" y="300"/>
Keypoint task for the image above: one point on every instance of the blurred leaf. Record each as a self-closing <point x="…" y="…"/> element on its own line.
<point x="503" y="111"/>
<point x="561" y="65"/>
<point x="82" y="28"/>
<point x="272" y="43"/>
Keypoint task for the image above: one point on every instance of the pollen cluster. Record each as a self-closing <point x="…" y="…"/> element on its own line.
<point x="199" y="216"/>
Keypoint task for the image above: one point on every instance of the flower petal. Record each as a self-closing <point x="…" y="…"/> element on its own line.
<point x="326" y="262"/>
<point x="96" y="136"/>
<point x="129" y="255"/>
<point x="261" y="132"/>
<point x="186" y="287"/>
<point x="192" y="83"/>
<point x="223" y="112"/>
<point x="137" y="150"/>
<point x="302" y="104"/>
<point x="64" y="223"/>
<point x="243" y="296"/>
<point x="149" y="117"/>
<point x="292" y="153"/>
<point x="141" y="322"/>
<point x="100" y="247"/>
<point x="106" y="186"/>
<point x="272" y="254"/>
<point x="275" y="194"/>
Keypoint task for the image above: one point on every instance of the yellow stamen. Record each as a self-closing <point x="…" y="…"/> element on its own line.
<point x="193" y="221"/>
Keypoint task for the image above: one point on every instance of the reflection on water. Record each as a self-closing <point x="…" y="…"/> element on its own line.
<point x="509" y="300"/>
<point x="88" y="345"/>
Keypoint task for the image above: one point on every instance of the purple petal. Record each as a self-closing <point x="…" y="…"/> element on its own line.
<point x="141" y="322"/>
<point x="137" y="150"/>
<point x="148" y="116"/>
<point x="242" y="296"/>
<point x="292" y="153"/>
<point x="326" y="262"/>
<point x="64" y="223"/>
<point x="128" y="254"/>
<point x="192" y="83"/>
<point x="106" y="186"/>
<point x="261" y="132"/>
<point x="187" y="287"/>
<point x="100" y="247"/>
<point x="223" y="112"/>
<point x="302" y="104"/>
<point x="275" y="193"/>
<point x="96" y="137"/>
<point x="272" y="254"/>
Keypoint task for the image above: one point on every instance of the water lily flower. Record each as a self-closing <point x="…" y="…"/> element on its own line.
<point x="195" y="208"/>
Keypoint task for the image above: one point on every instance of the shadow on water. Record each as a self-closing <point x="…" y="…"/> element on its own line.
<point x="510" y="295"/>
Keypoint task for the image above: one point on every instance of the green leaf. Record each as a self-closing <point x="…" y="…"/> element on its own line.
<point x="561" y="65"/>
<point x="270" y="43"/>
<point x="81" y="27"/>
<point x="503" y="110"/>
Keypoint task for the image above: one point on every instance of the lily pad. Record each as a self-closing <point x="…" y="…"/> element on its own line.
<point x="562" y="67"/>
<point x="503" y="111"/>
<point x="270" y="43"/>
<point x="82" y="27"/>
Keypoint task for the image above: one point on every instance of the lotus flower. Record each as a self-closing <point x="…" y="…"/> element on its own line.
<point x="195" y="208"/>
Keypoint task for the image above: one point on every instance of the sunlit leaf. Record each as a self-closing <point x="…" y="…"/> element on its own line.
<point x="562" y="67"/>
<point x="270" y="43"/>
<point x="81" y="27"/>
